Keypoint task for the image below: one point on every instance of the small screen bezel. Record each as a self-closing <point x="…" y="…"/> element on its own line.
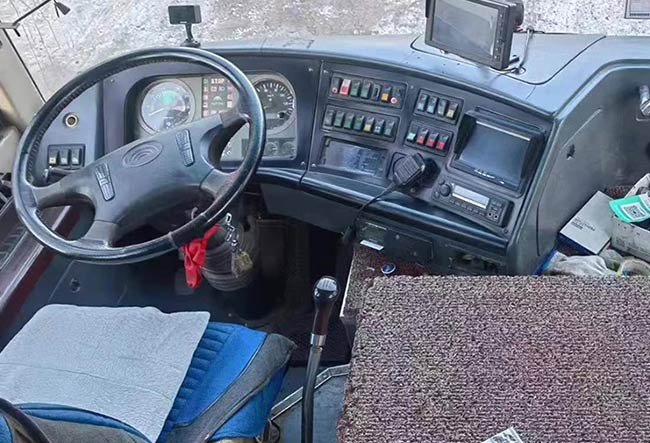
<point x="503" y="35"/>
<point x="327" y="144"/>
<point x="534" y="138"/>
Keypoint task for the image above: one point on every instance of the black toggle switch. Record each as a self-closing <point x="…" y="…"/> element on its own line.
<point x="64" y="157"/>
<point x="75" y="157"/>
<point x="376" y="92"/>
<point x="422" y="102"/>
<point x="53" y="157"/>
<point x="335" y="85"/>
<point x="329" y="117"/>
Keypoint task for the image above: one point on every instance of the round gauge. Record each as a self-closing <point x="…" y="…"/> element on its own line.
<point x="278" y="101"/>
<point x="166" y="104"/>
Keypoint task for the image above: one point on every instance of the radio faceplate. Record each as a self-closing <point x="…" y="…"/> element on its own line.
<point x="491" y="209"/>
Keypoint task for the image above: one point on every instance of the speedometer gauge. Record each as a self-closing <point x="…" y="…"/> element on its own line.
<point x="278" y="101"/>
<point x="166" y="104"/>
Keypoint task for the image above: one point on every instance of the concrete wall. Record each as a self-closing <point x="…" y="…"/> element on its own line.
<point x="56" y="48"/>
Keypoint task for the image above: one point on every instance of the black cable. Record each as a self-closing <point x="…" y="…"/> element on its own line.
<point x="383" y="194"/>
<point x="350" y="230"/>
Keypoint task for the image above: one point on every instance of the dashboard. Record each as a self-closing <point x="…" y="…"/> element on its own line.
<point x="168" y="102"/>
<point x="509" y="157"/>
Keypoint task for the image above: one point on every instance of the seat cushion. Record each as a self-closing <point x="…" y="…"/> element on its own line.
<point x="225" y="354"/>
<point x="127" y="363"/>
<point x="68" y="425"/>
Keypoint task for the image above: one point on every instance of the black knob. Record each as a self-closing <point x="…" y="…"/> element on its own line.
<point x="326" y="293"/>
<point x="445" y="190"/>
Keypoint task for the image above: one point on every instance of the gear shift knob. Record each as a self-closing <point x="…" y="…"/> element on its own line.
<point x="326" y="293"/>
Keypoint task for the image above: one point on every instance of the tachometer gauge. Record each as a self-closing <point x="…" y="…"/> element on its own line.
<point x="166" y="104"/>
<point x="278" y="101"/>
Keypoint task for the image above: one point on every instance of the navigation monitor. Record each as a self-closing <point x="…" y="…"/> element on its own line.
<point x="479" y="30"/>
<point x="498" y="151"/>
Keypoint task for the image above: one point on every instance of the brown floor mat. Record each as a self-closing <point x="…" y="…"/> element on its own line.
<point x="366" y="266"/>
<point x="444" y="359"/>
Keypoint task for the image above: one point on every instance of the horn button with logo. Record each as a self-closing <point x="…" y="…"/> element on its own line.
<point x="129" y="185"/>
<point x="142" y="154"/>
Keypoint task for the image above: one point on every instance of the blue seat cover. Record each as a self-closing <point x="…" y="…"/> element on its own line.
<point x="223" y="353"/>
<point x="74" y="415"/>
<point x="5" y="433"/>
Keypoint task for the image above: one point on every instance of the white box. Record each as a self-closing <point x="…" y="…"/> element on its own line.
<point x="630" y="238"/>
<point x="591" y="228"/>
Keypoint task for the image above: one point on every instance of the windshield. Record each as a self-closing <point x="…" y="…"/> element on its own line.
<point x="56" y="48"/>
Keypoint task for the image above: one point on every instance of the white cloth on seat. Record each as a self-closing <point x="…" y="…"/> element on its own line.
<point x="125" y="363"/>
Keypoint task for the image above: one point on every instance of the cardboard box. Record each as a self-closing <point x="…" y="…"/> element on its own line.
<point x="590" y="230"/>
<point x="631" y="238"/>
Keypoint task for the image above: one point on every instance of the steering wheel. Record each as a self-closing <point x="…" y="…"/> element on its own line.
<point x="128" y="185"/>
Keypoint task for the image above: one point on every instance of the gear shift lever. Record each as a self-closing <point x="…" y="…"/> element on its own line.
<point x="326" y="293"/>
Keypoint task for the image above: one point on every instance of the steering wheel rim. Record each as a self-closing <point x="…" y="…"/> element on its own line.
<point x="202" y="135"/>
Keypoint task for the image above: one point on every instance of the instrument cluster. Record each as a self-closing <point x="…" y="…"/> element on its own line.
<point x="168" y="102"/>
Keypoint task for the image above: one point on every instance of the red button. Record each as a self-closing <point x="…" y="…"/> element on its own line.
<point x="431" y="141"/>
<point x="422" y="136"/>
<point x="442" y="143"/>
<point x="345" y="87"/>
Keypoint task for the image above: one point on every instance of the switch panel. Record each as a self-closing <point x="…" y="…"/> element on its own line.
<point x="434" y="105"/>
<point x="383" y="127"/>
<point x="429" y="138"/>
<point x="366" y="90"/>
<point x="66" y="156"/>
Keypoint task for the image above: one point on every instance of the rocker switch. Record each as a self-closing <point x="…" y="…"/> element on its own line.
<point x="75" y="157"/>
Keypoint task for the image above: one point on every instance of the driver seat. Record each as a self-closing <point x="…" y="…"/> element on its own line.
<point x="227" y="393"/>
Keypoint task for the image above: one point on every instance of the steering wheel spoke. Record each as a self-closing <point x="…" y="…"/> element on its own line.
<point x="216" y="182"/>
<point x="100" y="234"/>
<point x="233" y="120"/>
<point x="72" y="188"/>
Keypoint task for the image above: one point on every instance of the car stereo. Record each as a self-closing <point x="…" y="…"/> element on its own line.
<point x="478" y="30"/>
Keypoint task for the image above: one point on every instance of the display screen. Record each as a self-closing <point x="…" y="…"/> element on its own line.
<point x="467" y="25"/>
<point x="218" y="95"/>
<point x="353" y="158"/>
<point x="471" y="197"/>
<point x="496" y="154"/>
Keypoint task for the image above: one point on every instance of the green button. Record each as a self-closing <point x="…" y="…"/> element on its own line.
<point x="433" y="104"/>
<point x="347" y="124"/>
<point x="358" y="123"/>
<point x="338" y="120"/>
<point x="388" y="130"/>
<point x="354" y="89"/>
<point x="365" y="89"/>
